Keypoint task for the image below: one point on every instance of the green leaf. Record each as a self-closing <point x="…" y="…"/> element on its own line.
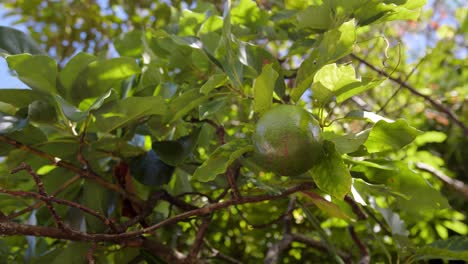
<point x="316" y="17"/>
<point x="186" y="102"/>
<point x="121" y="112"/>
<point x="227" y="51"/>
<point x="71" y="112"/>
<point x="130" y="44"/>
<point x="42" y="112"/>
<point x="220" y="159"/>
<point x="387" y="136"/>
<point x="37" y="71"/>
<point x="74" y="253"/>
<point x="150" y="170"/>
<point x="13" y="41"/>
<point x="74" y="70"/>
<point x="333" y="45"/>
<point x="263" y="87"/>
<point x="100" y="76"/>
<point x="376" y="11"/>
<point x="347" y="143"/>
<point x="215" y="81"/>
<point x="212" y="107"/>
<point x="175" y="152"/>
<point x="330" y="173"/>
<point x="95" y="197"/>
<point x="19" y="97"/>
<point x="429" y="137"/>
<point x="326" y="206"/>
<point x="454" y="248"/>
<point x="417" y="197"/>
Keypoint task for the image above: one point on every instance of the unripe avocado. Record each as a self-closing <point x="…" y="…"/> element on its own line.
<point x="287" y="140"/>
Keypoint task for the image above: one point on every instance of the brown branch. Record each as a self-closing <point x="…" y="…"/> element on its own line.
<point x="197" y="245"/>
<point x="453" y="184"/>
<point x="232" y="173"/>
<point x="70" y="166"/>
<point x="90" y="253"/>
<point x="40" y="203"/>
<point x="12" y="229"/>
<point x="47" y="199"/>
<point x="414" y="91"/>
<point x="365" y="256"/>
<point x="54" y="199"/>
<point x="356" y="208"/>
<point x="275" y="251"/>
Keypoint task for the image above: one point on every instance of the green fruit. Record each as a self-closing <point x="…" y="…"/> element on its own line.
<point x="287" y="140"/>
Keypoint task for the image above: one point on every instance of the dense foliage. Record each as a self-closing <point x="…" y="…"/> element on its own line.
<point x="134" y="142"/>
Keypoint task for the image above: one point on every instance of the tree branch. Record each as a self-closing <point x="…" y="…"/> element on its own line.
<point x="197" y="245"/>
<point x="453" y="184"/>
<point x="365" y="257"/>
<point x="70" y="166"/>
<point x="275" y="251"/>
<point x="42" y="193"/>
<point x="14" y="229"/>
<point x="414" y="91"/>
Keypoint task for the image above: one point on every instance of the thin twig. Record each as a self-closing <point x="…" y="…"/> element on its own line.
<point x="232" y="173"/>
<point x="40" y="203"/>
<point x="365" y="256"/>
<point x="356" y="208"/>
<point x="70" y="166"/>
<point x="400" y="86"/>
<point x="53" y="199"/>
<point x="413" y="90"/>
<point x="275" y="251"/>
<point x="90" y="253"/>
<point x="40" y="187"/>
<point x="197" y="245"/>
<point x="13" y="229"/>
<point x="454" y="184"/>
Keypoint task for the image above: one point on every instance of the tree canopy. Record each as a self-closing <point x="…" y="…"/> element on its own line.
<point x="134" y="140"/>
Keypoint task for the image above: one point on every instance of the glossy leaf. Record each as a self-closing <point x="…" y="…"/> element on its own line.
<point x="19" y="97"/>
<point x="100" y="76"/>
<point x="263" y="87"/>
<point x="39" y="71"/>
<point x="347" y="143"/>
<point x="334" y="45"/>
<point x="185" y="103"/>
<point x="329" y="207"/>
<point x="386" y="136"/>
<point x="73" y="71"/>
<point x="220" y="159"/>
<point x="213" y="82"/>
<point x="150" y="170"/>
<point x="42" y="111"/>
<point x="119" y="113"/>
<point x="454" y="248"/>
<point x="330" y="173"/>
<point x="130" y="44"/>
<point x="175" y="152"/>
<point x="13" y="41"/>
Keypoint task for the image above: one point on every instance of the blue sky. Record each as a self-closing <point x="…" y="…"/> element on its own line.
<point x="6" y="80"/>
